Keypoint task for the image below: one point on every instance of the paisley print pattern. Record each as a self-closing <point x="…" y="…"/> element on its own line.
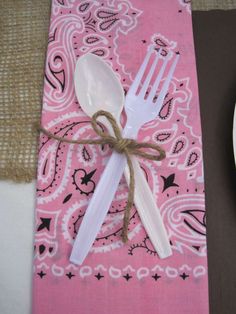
<point x="186" y="4"/>
<point x="120" y="32"/>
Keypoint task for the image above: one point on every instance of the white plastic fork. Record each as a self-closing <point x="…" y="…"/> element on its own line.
<point x="139" y="110"/>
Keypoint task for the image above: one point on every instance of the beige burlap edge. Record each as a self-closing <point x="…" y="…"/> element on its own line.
<point x="23" y="41"/>
<point x="205" y="5"/>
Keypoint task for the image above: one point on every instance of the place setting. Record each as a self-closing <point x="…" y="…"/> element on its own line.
<point x="120" y="191"/>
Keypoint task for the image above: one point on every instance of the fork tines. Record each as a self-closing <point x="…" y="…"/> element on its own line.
<point x="146" y="89"/>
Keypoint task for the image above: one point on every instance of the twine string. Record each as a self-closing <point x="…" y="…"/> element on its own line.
<point x="120" y="145"/>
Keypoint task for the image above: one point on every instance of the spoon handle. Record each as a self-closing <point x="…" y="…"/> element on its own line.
<point x="149" y="212"/>
<point x="98" y="207"/>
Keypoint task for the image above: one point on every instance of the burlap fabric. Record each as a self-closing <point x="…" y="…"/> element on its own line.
<point x="205" y="5"/>
<point x="23" y="41"/>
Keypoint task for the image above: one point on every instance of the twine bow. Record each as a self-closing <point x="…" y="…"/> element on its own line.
<point x="120" y="145"/>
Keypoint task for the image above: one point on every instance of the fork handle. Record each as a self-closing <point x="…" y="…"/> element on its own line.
<point x="98" y="207"/>
<point x="148" y="211"/>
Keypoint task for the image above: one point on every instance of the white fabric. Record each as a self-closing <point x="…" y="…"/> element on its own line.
<point x="16" y="246"/>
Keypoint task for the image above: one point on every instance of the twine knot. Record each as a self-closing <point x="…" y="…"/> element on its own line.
<point x="120" y="145"/>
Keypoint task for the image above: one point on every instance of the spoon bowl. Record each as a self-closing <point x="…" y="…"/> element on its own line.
<point x="90" y="74"/>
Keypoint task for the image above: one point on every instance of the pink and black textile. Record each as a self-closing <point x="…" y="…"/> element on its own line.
<point x="115" y="277"/>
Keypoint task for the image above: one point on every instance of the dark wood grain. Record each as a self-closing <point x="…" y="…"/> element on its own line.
<point x="215" y="45"/>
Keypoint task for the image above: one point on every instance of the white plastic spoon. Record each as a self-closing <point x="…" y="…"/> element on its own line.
<point x="98" y="88"/>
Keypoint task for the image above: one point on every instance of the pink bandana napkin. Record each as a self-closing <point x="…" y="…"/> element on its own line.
<point x="116" y="277"/>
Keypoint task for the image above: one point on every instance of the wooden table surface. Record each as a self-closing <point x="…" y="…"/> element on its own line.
<point x="215" y="45"/>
